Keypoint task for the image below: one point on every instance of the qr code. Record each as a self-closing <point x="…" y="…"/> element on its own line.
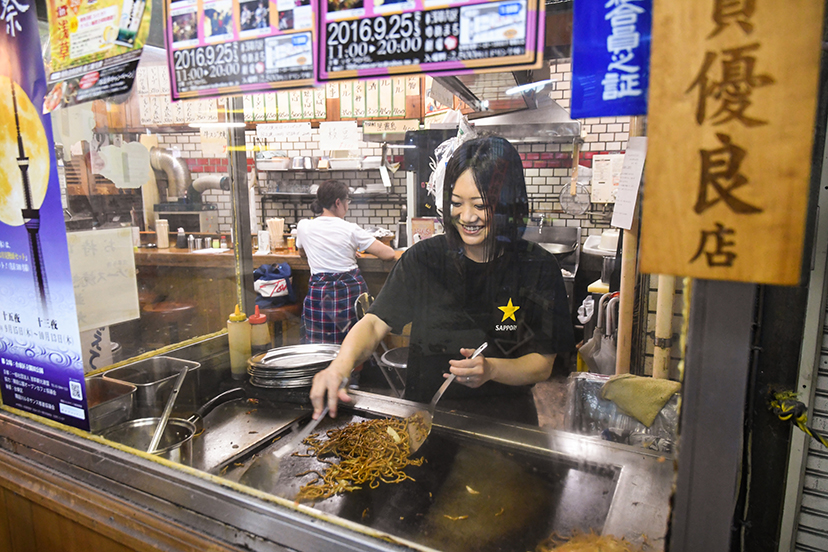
<point x="75" y="390"/>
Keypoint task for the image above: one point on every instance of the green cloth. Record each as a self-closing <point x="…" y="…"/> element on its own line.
<point x="639" y="397"/>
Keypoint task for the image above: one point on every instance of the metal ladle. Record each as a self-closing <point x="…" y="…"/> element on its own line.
<point x="165" y="416"/>
<point x="418" y="433"/>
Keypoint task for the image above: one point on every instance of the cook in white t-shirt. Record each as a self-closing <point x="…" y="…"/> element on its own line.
<point x="330" y="244"/>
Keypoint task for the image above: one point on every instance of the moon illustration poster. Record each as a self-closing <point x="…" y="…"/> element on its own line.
<point x="40" y="351"/>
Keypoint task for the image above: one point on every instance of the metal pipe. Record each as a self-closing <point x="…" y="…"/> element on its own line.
<point x="240" y="203"/>
<point x="178" y="174"/>
<point x="211" y="182"/>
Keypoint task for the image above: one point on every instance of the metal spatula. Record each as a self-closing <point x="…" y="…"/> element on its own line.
<point x="418" y="432"/>
<point x="267" y="465"/>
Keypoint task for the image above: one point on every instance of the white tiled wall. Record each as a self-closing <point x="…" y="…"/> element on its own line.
<point x="605" y="134"/>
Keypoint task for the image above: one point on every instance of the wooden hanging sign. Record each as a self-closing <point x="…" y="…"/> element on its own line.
<point x="733" y="96"/>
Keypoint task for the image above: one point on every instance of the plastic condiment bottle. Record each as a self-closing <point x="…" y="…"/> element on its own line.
<point x="259" y="332"/>
<point x="238" y="335"/>
<point x="181" y="239"/>
<point x="162" y="230"/>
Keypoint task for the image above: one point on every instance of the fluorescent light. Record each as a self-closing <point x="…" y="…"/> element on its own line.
<point x="217" y="125"/>
<point x="531" y="86"/>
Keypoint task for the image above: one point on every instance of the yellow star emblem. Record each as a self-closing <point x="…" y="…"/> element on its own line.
<point x="509" y="311"/>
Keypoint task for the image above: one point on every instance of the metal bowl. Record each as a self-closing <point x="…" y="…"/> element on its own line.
<point x="558" y="248"/>
<point x="176" y="442"/>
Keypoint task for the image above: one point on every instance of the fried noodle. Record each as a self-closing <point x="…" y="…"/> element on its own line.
<point x="590" y="542"/>
<point x="371" y="452"/>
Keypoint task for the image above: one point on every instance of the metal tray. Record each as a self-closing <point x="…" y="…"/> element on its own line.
<point x="110" y="402"/>
<point x="295" y="356"/>
<point x="154" y="378"/>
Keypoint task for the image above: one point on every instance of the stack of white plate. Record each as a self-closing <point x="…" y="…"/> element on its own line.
<point x="290" y="367"/>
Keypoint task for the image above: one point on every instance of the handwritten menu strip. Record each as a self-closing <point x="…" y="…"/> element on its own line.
<point x="271" y="107"/>
<point x="372" y="98"/>
<point x="295" y="104"/>
<point x="307" y="104"/>
<point x="346" y="100"/>
<point x="283" y="98"/>
<point x="398" y="101"/>
<point x="359" y="99"/>
<point x="320" y="108"/>
<point x="386" y="94"/>
<point x="444" y="36"/>
<point x="156" y="108"/>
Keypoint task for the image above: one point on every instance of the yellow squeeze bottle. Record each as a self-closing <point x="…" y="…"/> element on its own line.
<point x="238" y="335"/>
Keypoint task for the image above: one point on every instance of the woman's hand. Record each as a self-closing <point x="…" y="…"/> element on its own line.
<point x="471" y="372"/>
<point x="326" y="385"/>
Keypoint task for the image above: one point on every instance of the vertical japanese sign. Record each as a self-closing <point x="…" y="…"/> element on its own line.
<point x="610" y="57"/>
<point x="40" y="353"/>
<point x="95" y="46"/>
<point x="732" y="104"/>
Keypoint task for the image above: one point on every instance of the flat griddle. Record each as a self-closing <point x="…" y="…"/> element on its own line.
<point x="513" y="498"/>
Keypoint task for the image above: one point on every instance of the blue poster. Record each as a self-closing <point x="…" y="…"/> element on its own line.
<point x="610" y="57"/>
<point x="40" y="352"/>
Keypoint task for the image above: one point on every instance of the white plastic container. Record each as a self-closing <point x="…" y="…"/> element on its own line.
<point x="162" y="231"/>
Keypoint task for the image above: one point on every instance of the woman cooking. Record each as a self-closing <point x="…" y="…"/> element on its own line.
<point x="330" y="244"/>
<point x="480" y="282"/>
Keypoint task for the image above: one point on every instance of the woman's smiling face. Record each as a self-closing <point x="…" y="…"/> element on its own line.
<point x="470" y="215"/>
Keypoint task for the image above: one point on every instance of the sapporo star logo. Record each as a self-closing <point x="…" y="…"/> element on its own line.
<point x="509" y="311"/>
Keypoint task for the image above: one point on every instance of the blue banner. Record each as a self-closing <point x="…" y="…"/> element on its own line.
<point x="610" y="57"/>
<point x="40" y="353"/>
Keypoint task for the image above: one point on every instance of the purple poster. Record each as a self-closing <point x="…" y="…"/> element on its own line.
<point x="40" y="353"/>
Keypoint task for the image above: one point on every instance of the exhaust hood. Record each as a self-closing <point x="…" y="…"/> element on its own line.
<point x="549" y="122"/>
<point x="527" y="117"/>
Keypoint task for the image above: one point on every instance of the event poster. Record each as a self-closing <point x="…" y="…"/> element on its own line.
<point x="359" y="39"/>
<point x="40" y="352"/>
<point x="224" y="47"/>
<point x="95" y="46"/>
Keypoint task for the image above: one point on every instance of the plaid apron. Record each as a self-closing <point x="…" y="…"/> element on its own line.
<point x="328" y="311"/>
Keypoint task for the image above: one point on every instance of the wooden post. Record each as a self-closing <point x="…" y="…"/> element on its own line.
<point x="629" y="259"/>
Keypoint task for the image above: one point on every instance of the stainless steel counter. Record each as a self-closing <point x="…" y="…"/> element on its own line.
<point x="541" y="480"/>
<point x="528" y="482"/>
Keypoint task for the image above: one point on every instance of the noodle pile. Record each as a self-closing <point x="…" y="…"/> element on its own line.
<point x="370" y="452"/>
<point x="583" y="542"/>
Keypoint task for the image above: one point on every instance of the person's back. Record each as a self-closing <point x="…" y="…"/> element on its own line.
<point x="330" y="245"/>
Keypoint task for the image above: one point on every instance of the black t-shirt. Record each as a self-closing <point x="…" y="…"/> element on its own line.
<point x="516" y="302"/>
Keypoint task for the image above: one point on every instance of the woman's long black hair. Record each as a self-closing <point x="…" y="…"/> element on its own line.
<point x="497" y="170"/>
<point x="327" y="194"/>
